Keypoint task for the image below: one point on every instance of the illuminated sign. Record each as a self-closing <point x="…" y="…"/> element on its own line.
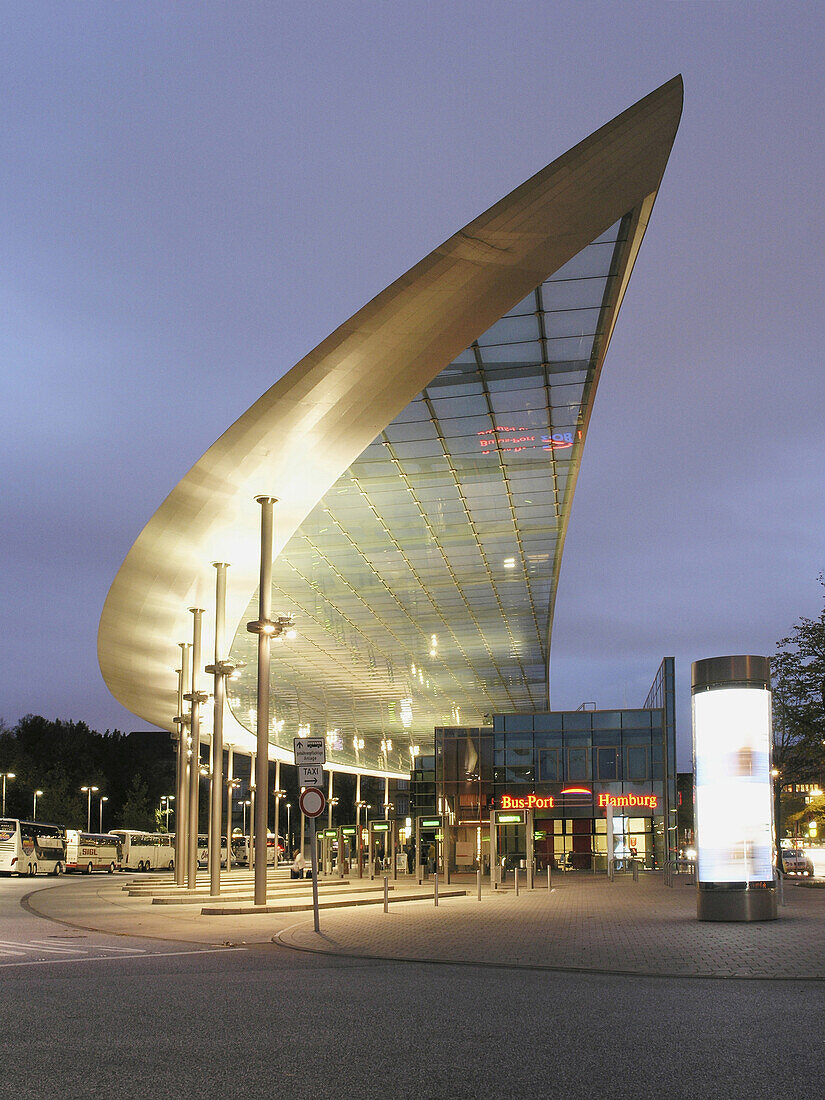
<point x="733" y="797"/>
<point x="629" y="801"/>
<point x="526" y="802"/>
<point x="509" y="819"/>
<point x="431" y="823"/>
<point x="506" y="437"/>
<point x="348" y="830"/>
<point x="577" y="790"/>
<point x="380" y="826"/>
<point x="329" y="832"/>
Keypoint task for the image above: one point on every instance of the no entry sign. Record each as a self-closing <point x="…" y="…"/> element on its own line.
<point x="312" y="802"/>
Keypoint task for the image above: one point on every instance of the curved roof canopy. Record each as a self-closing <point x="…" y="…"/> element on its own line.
<point x="424" y="458"/>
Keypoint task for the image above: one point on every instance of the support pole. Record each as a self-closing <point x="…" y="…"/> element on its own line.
<point x="278" y="810"/>
<point x="194" y="765"/>
<point x="216" y="790"/>
<point x="182" y="790"/>
<point x="358" y="825"/>
<point x="230" y="794"/>
<point x="264" y="656"/>
<point x="329" y="800"/>
<point x="251" y="816"/>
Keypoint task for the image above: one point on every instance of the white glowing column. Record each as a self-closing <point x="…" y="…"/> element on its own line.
<point x="733" y="796"/>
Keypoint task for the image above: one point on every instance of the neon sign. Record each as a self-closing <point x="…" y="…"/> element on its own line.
<point x="624" y="801"/>
<point x="527" y="802"/>
<point x="522" y="439"/>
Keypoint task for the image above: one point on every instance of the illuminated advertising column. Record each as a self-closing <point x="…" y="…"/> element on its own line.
<point x="732" y="781"/>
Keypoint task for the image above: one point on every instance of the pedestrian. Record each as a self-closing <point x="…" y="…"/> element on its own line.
<point x="298" y="864"/>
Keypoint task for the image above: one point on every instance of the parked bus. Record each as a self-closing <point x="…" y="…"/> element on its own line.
<point x="146" y="851"/>
<point x="89" y="852"/>
<point x="203" y="850"/>
<point x="27" y="847"/>
<point x="240" y="850"/>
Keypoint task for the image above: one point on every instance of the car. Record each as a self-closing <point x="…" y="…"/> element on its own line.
<point x="795" y="862"/>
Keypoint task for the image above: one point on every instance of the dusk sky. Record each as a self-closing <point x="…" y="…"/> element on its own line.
<point x="193" y="195"/>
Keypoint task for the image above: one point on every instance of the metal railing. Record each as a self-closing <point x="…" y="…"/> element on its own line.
<point x="675" y="867"/>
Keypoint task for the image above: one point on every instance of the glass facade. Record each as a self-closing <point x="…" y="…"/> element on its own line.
<point x="571" y="768"/>
<point x="422" y="584"/>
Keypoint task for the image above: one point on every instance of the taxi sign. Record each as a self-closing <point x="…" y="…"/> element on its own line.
<point x="310" y="775"/>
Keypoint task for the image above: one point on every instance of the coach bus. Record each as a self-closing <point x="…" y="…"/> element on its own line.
<point x="27" y="847"/>
<point x="240" y="849"/>
<point x="89" y="852"/>
<point x="203" y="850"/>
<point x="146" y="851"/>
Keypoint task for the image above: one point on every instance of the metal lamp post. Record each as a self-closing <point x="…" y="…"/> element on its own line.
<point x="88" y="792"/>
<point x="266" y="628"/>
<point x="103" y="798"/>
<point x="34" y="806"/>
<point x="6" y="775"/>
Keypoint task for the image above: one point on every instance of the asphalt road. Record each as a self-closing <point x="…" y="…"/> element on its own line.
<point x="89" y="1015"/>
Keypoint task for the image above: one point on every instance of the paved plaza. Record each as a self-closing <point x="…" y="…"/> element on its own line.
<point x="585" y="923"/>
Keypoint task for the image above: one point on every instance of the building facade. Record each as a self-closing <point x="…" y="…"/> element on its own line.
<point x="570" y="769"/>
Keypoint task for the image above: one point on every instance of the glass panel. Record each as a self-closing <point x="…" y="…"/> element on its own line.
<point x="578" y="765"/>
<point x="549" y="765"/>
<point x="637" y="766"/>
<point x="509" y="329"/>
<point x="608" y="763"/>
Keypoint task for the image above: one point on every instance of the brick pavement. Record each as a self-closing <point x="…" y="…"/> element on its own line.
<point x="585" y="924"/>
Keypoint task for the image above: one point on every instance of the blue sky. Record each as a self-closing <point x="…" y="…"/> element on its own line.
<point x="194" y="195"/>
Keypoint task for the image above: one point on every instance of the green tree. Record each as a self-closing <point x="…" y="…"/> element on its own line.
<point x="798" y="680"/>
<point x="137" y="810"/>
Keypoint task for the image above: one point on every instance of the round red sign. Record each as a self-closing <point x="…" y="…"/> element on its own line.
<point x="312" y="802"/>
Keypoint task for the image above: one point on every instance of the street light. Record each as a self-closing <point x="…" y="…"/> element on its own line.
<point x="34" y="807"/>
<point x="6" y="775"/>
<point x="88" y="792"/>
<point x="103" y="798"/>
<point x="167" y="809"/>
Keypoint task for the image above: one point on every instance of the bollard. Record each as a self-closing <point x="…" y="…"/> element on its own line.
<point x="478" y="882"/>
<point x="435" y="888"/>
<point x="635" y="870"/>
<point x="610" y="870"/>
<point x="549" y="879"/>
<point x="515" y="878"/>
<point x="386" y="893"/>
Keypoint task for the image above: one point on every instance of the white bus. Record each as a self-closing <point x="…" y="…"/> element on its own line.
<point x="203" y="850"/>
<point x="146" y="851"/>
<point x="89" y="852"/>
<point x="27" y="847"/>
<point x="240" y="850"/>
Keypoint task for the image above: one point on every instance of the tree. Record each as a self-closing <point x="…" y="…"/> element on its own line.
<point x="137" y="810"/>
<point x="798" y="680"/>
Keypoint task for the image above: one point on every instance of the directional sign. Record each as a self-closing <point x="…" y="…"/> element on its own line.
<point x="310" y="775"/>
<point x="310" y="750"/>
<point x="312" y="802"/>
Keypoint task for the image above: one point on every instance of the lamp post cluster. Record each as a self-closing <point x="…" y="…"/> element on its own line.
<point x="187" y="734"/>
